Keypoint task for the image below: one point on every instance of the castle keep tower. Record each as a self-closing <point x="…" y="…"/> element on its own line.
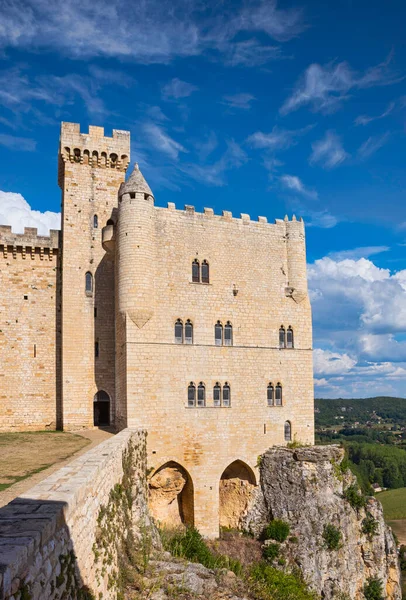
<point x="91" y="170"/>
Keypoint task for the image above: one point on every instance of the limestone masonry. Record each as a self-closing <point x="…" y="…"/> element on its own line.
<point x="193" y="326"/>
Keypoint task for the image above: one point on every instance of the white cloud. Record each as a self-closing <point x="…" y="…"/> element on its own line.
<point x="372" y="145"/>
<point x="176" y="88"/>
<point x="213" y="173"/>
<point x="15" y="211"/>
<point x="326" y="362"/>
<point x="147" y="31"/>
<point x="14" y="142"/>
<point x="321" y="219"/>
<point x="251" y="53"/>
<point x="356" y="253"/>
<point x="328" y="151"/>
<point x="365" y="120"/>
<point x="160" y="140"/>
<point x="359" y="326"/>
<point x="295" y="184"/>
<point x="325" y="88"/>
<point x="277" y="139"/>
<point x="241" y="100"/>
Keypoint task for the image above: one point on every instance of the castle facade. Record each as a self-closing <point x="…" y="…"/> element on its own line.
<point x="195" y="326"/>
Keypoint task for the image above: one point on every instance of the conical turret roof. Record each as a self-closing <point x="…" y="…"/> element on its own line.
<point x="135" y="183"/>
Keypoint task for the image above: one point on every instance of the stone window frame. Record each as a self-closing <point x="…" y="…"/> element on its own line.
<point x="218" y="329"/>
<point x="191" y="394"/>
<point x="287" y="431"/>
<point x="282" y="337"/>
<point x="228" y="334"/>
<point x="201" y="395"/>
<point x="178" y="329"/>
<point x="89" y="284"/>
<point x="95" y="222"/>
<point x="188" y="332"/>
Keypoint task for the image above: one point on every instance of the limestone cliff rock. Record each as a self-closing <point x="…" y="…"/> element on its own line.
<point x="305" y="486"/>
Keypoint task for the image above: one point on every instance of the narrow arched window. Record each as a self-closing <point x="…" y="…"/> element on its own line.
<point x="278" y="395"/>
<point x="205" y="272"/>
<point x="282" y="337"/>
<point x="270" y="395"/>
<point x="218" y="334"/>
<point x="288" y="431"/>
<point x="188" y="332"/>
<point x="179" y="332"/>
<point x="95" y="221"/>
<point x="196" y="271"/>
<point x="289" y="338"/>
<point x="96" y="350"/>
<point x="217" y="394"/>
<point x="191" y="394"/>
<point x="89" y="284"/>
<point x="228" y="334"/>
<point x="201" y="394"/>
<point x="226" y="394"/>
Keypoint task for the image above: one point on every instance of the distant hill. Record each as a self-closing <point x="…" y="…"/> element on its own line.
<point x="361" y="410"/>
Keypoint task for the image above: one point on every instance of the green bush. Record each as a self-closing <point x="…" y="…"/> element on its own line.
<point x="276" y="530"/>
<point x="271" y="551"/>
<point x="373" y="589"/>
<point x="369" y="525"/>
<point x="354" y="497"/>
<point x="267" y="582"/>
<point x="189" y="544"/>
<point x="332" y="537"/>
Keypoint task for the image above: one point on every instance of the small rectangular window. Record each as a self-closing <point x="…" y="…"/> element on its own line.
<point x="188" y="333"/>
<point x="195" y="272"/>
<point x="205" y="272"/>
<point x="96" y="349"/>
<point x="281" y="338"/>
<point x="226" y="395"/>
<point x="179" y="332"/>
<point x="217" y="395"/>
<point x="218" y="334"/>
<point x="191" y="396"/>
<point x="278" y="395"/>
<point x="95" y="311"/>
<point x="201" y="396"/>
<point x="289" y="338"/>
<point x="228" y="335"/>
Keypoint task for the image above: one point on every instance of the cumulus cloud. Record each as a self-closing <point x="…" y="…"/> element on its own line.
<point x="325" y="88"/>
<point x="328" y="152"/>
<point x="295" y="184"/>
<point x="15" y="211"/>
<point x="359" y="313"/>
<point x="372" y="145"/>
<point x="176" y="88"/>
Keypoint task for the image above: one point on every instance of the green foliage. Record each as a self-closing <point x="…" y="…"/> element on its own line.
<point x="369" y="526"/>
<point x="354" y="497"/>
<point x="332" y="537"/>
<point x="189" y="544"/>
<point x="402" y="557"/>
<point x="267" y="582"/>
<point x="271" y="551"/>
<point x="360" y="410"/>
<point x="276" y="530"/>
<point x="373" y="589"/>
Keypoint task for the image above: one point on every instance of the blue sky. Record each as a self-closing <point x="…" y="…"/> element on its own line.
<point x="257" y="106"/>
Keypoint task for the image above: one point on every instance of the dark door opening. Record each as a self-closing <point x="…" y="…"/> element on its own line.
<point x="101" y="409"/>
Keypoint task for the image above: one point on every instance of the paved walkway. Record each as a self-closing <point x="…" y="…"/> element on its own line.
<point x="96" y="436"/>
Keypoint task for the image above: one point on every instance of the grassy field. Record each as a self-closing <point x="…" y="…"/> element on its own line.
<point x="23" y="454"/>
<point x="394" y="503"/>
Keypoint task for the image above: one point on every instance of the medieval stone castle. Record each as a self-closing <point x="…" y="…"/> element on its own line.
<point x="194" y="326"/>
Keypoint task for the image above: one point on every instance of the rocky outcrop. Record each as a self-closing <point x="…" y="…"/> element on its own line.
<point x="305" y="487"/>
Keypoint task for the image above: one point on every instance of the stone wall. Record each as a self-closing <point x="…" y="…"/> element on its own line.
<point x="30" y="304"/>
<point x="66" y="535"/>
<point x="308" y="488"/>
<point x="257" y="283"/>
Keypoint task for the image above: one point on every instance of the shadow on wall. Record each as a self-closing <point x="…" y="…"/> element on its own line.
<point x="237" y="485"/>
<point x="37" y="556"/>
<point x="171" y="496"/>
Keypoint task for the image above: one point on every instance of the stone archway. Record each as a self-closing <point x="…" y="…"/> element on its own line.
<point x="171" y="496"/>
<point x="237" y="485"/>
<point x="101" y="409"/>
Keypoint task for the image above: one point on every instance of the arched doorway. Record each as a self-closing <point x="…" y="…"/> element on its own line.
<point x="237" y="484"/>
<point x="171" y="500"/>
<point x="101" y="409"/>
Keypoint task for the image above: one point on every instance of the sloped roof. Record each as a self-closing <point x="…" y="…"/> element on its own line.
<point x="135" y="183"/>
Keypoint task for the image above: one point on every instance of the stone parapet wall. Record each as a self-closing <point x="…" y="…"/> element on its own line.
<point x="51" y="542"/>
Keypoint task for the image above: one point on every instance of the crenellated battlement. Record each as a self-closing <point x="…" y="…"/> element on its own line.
<point x="28" y="243"/>
<point x="227" y="215"/>
<point x="93" y="148"/>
